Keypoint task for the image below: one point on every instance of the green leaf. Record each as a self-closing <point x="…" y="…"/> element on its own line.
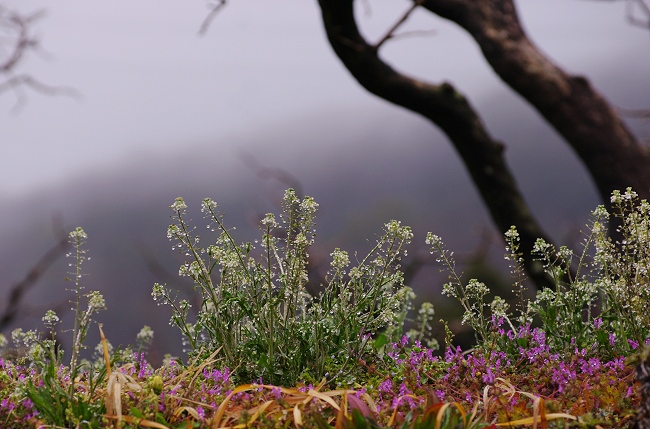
<point x="380" y="341"/>
<point x="137" y="413"/>
<point x="160" y="418"/>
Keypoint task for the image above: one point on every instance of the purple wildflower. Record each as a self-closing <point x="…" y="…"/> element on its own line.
<point x="404" y="397"/>
<point x="598" y="322"/>
<point x="562" y="374"/>
<point x="403" y="390"/>
<point x="488" y="377"/>
<point x="590" y="366"/>
<point x="404" y="341"/>
<point x="617" y="364"/>
<point x="451" y="353"/>
<point x="539" y="336"/>
<point x="142" y="363"/>
<point x="386" y="386"/>
<point x="6" y="403"/>
<point x="277" y="392"/>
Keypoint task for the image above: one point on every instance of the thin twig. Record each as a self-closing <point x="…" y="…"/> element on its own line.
<point x="18" y="26"/>
<point x="390" y="33"/>
<point x="22" y="40"/>
<point x="645" y="9"/>
<point x="17" y="81"/>
<point x="414" y="33"/>
<point x="287" y="179"/>
<point x="19" y="289"/>
<point x="634" y="113"/>
<point x="214" y="10"/>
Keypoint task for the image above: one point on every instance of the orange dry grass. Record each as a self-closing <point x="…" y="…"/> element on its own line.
<point x="295" y="401"/>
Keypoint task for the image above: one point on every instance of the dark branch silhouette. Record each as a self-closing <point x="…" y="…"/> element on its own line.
<point x="282" y="176"/>
<point x="447" y="108"/>
<point x="214" y="10"/>
<point x="15" y="306"/>
<point x="588" y="123"/>
<point x="14" y="46"/>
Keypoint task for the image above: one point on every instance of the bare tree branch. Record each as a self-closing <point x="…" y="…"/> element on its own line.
<point x="287" y="179"/>
<point x="448" y="109"/>
<point x="214" y="10"/>
<point x="588" y="123"/>
<point x="16" y="83"/>
<point x="19" y="290"/>
<point x="17" y="28"/>
<point x="14" y="46"/>
<point x="391" y="32"/>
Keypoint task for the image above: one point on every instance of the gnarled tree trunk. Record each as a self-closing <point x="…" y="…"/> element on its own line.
<point x="613" y="156"/>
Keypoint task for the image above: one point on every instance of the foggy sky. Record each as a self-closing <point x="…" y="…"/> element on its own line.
<point x="150" y="85"/>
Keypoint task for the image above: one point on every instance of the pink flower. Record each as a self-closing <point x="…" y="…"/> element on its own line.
<point x="386" y="386"/>
<point x="598" y="322"/>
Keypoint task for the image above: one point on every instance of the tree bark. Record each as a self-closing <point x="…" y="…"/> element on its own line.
<point x="448" y="109"/>
<point x="613" y="156"/>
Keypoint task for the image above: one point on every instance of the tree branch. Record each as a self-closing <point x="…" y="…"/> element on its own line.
<point x="18" y="28"/>
<point x="16" y="45"/>
<point x="448" y="109"/>
<point x="611" y="153"/>
<point x="287" y="179"/>
<point x="15" y="83"/>
<point x="18" y="290"/>
<point x="391" y="32"/>
<point x="214" y="10"/>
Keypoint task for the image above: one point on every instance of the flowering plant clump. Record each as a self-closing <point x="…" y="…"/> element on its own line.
<point x="263" y="353"/>
<point x="256" y="311"/>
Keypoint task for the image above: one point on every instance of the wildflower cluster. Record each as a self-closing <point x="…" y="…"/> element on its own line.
<point x="583" y="384"/>
<point x="600" y="295"/>
<point x="256" y="312"/>
<point x="563" y="359"/>
<point x="603" y="301"/>
<point x="471" y="296"/>
<point x="624" y="265"/>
